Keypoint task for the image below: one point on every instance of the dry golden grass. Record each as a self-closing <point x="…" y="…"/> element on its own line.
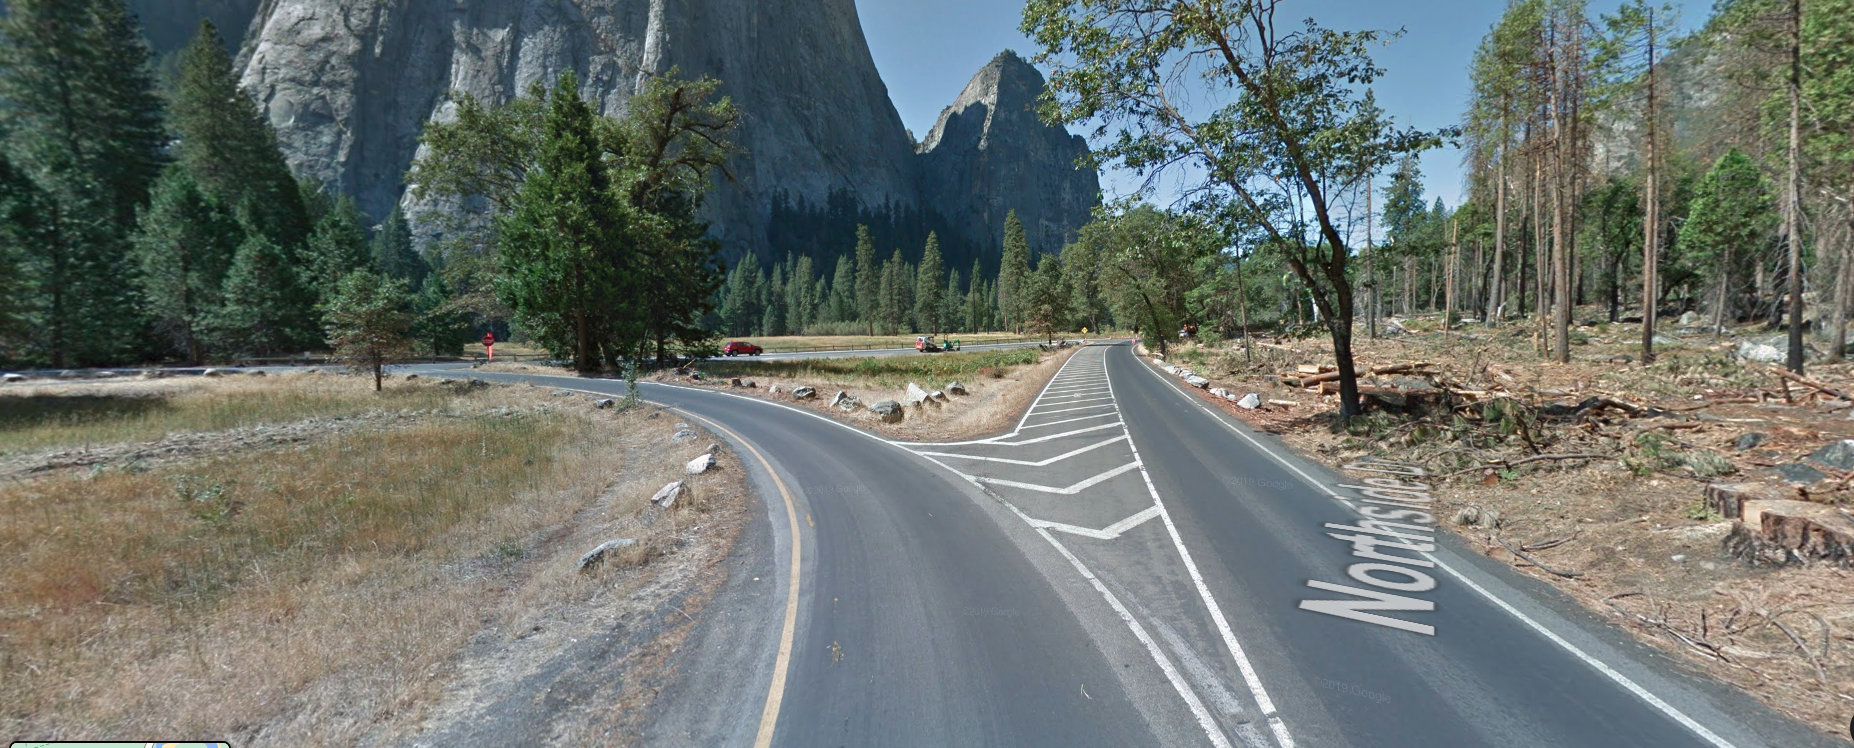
<point x="314" y="593"/>
<point x="42" y="416"/>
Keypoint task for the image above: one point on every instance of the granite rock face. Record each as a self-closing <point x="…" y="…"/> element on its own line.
<point x="989" y="154"/>
<point x="349" y="83"/>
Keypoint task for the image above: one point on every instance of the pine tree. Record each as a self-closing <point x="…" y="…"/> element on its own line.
<point x="367" y="322"/>
<point x="337" y="246"/>
<point x="439" y="326"/>
<point x="843" y="290"/>
<point x="563" y="269"/>
<point x="81" y="120"/>
<point x="393" y="255"/>
<point x="890" y="310"/>
<point x="1045" y="298"/>
<point x="255" y="317"/>
<point x="951" y="309"/>
<point x="927" y="294"/>
<point x="184" y="248"/>
<point x="1013" y="272"/>
<point x="868" y="278"/>
<point x="229" y="146"/>
<point x="976" y="300"/>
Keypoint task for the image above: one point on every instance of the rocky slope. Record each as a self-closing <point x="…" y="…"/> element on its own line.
<point x="989" y="154"/>
<point x="349" y="83"/>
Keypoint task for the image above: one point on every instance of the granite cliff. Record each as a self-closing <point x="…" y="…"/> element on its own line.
<point x="349" y="83"/>
<point x="989" y="154"/>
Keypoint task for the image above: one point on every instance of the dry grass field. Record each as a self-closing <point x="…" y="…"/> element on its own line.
<point x="320" y="591"/>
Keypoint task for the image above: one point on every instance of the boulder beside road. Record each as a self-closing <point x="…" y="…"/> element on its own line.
<point x="666" y="496"/>
<point x="701" y="464"/>
<point x="887" y="410"/>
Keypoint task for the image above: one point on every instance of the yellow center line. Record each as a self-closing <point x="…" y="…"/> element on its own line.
<point x="776" y="694"/>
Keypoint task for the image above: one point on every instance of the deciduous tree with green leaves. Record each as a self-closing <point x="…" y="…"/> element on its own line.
<point x="1730" y="219"/>
<point x="1290" y="125"/>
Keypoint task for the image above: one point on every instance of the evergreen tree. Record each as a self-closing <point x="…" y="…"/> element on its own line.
<point x="337" y="246"/>
<point x="255" y="317"/>
<point x="1013" y="271"/>
<point x="775" y="315"/>
<point x="393" y="255"/>
<point x="868" y="279"/>
<point x="22" y="229"/>
<point x="739" y="308"/>
<point x="890" y="309"/>
<point x="927" y="294"/>
<point x="975" y="300"/>
<point x="799" y="298"/>
<point x="951" y="308"/>
<point x="81" y="121"/>
<point x="367" y="322"/>
<point x="439" y="326"/>
<point x="229" y="146"/>
<point x="843" y="290"/>
<point x="563" y="267"/>
<point x="1045" y="298"/>
<point x="184" y="248"/>
<point x="1729" y="223"/>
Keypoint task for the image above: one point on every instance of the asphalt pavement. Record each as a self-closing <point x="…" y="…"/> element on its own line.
<point x="1128" y="567"/>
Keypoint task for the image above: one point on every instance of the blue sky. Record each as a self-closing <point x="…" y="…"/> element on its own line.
<point x="928" y="49"/>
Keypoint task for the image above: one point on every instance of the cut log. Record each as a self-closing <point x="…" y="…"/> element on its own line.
<point x="1728" y="499"/>
<point x="1333" y="376"/>
<point x="1817" y="386"/>
<point x="1780" y="533"/>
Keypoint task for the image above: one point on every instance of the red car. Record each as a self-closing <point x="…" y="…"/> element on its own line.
<point x="741" y="348"/>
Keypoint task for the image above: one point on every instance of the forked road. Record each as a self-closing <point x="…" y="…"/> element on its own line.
<point x="1127" y="568"/>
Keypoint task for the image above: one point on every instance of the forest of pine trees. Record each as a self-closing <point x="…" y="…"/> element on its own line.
<point x="149" y="217"/>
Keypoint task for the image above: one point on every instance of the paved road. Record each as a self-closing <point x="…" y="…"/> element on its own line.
<point x="1128" y="567"/>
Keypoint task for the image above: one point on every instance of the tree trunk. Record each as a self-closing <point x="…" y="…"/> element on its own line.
<point x="379" y="375"/>
<point x="1844" y="277"/>
<point x="1651" y="211"/>
<point x="582" y="361"/>
<point x="1792" y="212"/>
<point x="1371" y="267"/>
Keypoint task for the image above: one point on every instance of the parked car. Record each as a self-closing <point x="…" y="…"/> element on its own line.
<point x="741" y="348"/>
<point x="925" y="344"/>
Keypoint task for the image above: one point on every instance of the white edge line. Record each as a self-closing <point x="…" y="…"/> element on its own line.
<point x="1618" y="678"/>
<point x="1249" y="676"/>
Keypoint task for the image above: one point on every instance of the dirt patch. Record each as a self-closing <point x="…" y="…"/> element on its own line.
<point x="1625" y="530"/>
<point x="996" y="399"/>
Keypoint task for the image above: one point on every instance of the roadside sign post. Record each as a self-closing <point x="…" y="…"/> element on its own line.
<point x="489" y="344"/>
